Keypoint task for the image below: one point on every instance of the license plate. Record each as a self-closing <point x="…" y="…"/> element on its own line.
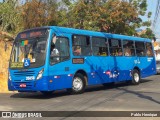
<point x="22" y="85"/>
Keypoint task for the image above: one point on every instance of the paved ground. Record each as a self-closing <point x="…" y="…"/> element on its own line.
<point x="121" y="97"/>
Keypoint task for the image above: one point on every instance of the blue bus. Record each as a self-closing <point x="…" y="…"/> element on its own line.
<point x="52" y="58"/>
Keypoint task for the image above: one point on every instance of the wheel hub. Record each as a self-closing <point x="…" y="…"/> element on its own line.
<point x="77" y="84"/>
<point x="136" y="77"/>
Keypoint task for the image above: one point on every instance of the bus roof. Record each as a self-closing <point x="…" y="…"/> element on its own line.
<point x="100" y="34"/>
<point x="62" y="30"/>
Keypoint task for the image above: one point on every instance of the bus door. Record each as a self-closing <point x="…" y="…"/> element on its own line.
<point x="59" y="62"/>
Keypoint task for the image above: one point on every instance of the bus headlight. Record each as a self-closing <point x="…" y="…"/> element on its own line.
<point x="40" y="74"/>
<point x="9" y="76"/>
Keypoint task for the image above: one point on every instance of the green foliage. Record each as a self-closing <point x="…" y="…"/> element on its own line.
<point x="149" y="14"/>
<point x="10" y="18"/>
<point x="113" y="16"/>
<point x="148" y="34"/>
<point x="147" y="23"/>
<point x="37" y="13"/>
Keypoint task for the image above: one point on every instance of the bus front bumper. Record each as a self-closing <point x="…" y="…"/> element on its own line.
<point x="29" y="86"/>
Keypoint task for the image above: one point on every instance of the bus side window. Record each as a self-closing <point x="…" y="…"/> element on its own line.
<point x="115" y="47"/>
<point x="128" y="48"/>
<point x="81" y="45"/>
<point x="140" y="49"/>
<point x="149" y="49"/>
<point x="99" y="46"/>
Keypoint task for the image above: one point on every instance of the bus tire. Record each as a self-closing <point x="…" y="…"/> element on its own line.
<point x="135" y="77"/>
<point x="78" y="84"/>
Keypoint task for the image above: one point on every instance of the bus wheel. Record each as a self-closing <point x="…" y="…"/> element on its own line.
<point x="135" y="77"/>
<point x="47" y="93"/>
<point x="78" y="84"/>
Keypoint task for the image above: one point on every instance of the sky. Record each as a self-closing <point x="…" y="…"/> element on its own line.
<point x="152" y="4"/>
<point x="152" y="8"/>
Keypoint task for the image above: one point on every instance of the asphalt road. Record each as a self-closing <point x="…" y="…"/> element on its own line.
<point x="120" y="97"/>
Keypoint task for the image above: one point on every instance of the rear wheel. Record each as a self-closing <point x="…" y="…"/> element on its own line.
<point x="78" y="84"/>
<point x="135" y="77"/>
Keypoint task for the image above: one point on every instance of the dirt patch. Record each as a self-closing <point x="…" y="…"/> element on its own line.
<point x="3" y="84"/>
<point x="5" y="50"/>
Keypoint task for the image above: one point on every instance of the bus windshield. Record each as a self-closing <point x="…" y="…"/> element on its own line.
<point x="29" y="46"/>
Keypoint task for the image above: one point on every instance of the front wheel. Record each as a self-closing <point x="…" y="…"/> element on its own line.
<point x="78" y="84"/>
<point x="135" y="77"/>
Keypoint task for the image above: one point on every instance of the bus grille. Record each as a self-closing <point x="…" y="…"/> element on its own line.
<point x="24" y="73"/>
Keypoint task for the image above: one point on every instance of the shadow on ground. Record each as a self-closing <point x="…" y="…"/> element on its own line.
<point x="61" y="93"/>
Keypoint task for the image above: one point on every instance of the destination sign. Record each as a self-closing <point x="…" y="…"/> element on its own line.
<point x="32" y="33"/>
<point x="16" y="65"/>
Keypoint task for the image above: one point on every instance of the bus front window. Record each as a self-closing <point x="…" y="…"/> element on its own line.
<point x="32" y="49"/>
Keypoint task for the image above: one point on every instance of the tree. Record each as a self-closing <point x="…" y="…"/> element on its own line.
<point x="38" y="13"/>
<point x="10" y="19"/>
<point x="114" y="16"/>
<point x="148" y="34"/>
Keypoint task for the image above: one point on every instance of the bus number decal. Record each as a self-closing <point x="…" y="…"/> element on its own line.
<point x="136" y="61"/>
<point x="30" y="78"/>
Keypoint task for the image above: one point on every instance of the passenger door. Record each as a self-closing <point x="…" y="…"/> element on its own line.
<point x="59" y="62"/>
